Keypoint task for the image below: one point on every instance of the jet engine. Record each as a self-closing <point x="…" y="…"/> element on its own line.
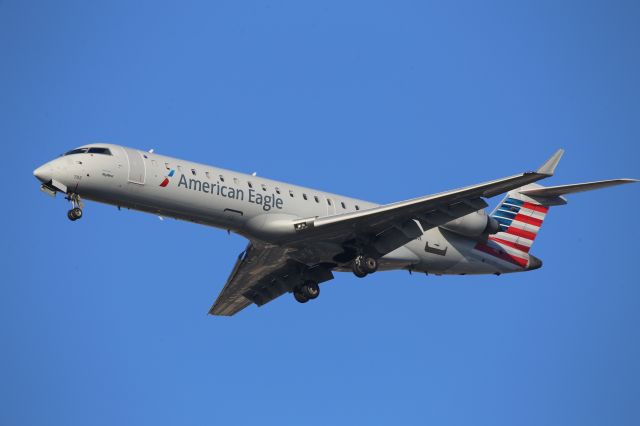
<point x="473" y="225"/>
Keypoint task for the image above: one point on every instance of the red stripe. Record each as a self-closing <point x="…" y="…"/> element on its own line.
<point x="521" y="233"/>
<point x="511" y="244"/>
<point x="535" y="207"/>
<point x="501" y="255"/>
<point x="528" y="219"/>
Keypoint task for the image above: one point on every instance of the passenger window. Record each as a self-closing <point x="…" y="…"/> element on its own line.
<point x="236" y="181"/>
<point x="250" y="184"/>
<point x="221" y="178"/>
<point x="167" y="166"/>
<point x="193" y="172"/>
<point x="304" y="196"/>
<point x="342" y="204"/>
<point x="264" y="187"/>
<point x="357" y="207"/>
<point x="277" y="190"/>
<point x="207" y="175"/>
<point x="291" y="193"/>
<point x="315" y="197"/>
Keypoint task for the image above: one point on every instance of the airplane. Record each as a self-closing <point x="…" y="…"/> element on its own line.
<point x="298" y="237"/>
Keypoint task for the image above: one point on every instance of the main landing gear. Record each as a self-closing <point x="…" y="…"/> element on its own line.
<point x="309" y="290"/>
<point x="76" y="211"/>
<point x="362" y="266"/>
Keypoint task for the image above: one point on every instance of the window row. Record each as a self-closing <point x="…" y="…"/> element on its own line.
<point x="264" y="187"/>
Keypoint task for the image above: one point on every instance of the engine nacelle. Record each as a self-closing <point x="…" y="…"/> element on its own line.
<point x="473" y="225"/>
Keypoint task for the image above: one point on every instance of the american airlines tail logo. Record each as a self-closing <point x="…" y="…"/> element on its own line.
<point x="165" y="182"/>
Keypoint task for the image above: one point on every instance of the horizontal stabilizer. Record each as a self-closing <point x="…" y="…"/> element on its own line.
<point x="556" y="191"/>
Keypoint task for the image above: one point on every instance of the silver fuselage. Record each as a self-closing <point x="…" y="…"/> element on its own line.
<point x="249" y="205"/>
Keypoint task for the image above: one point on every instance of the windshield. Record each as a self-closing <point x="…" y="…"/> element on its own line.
<point x="90" y="150"/>
<point x="77" y="151"/>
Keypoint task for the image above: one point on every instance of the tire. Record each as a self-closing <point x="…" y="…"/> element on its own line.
<point x="300" y="298"/>
<point x="77" y="212"/>
<point x="71" y="216"/>
<point x="357" y="270"/>
<point x="310" y="290"/>
<point x="369" y="265"/>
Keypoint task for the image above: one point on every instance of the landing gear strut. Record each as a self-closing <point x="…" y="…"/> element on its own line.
<point x="363" y="265"/>
<point x="76" y="211"/>
<point x="307" y="291"/>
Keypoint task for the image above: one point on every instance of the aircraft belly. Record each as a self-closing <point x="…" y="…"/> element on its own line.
<point x="445" y="252"/>
<point x="400" y="258"/>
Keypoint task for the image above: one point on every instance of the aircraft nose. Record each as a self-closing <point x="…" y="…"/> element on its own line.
<point x="43" y="173"/>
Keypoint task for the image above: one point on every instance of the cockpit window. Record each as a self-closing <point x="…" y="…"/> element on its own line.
<point x="104" y="151"/>
<point x="77" y="151"/>
<point x="91" y="150"/>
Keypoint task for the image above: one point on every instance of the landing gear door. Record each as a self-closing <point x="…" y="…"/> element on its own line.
<point x="137" y="167"/>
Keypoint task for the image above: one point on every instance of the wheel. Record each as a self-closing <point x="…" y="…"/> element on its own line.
<point x="364" y="265"/>
<point x="357" y="270"/>
<point x="75" y="213"/>
<point x="310" y="290"/>
<point x="369" y="265"/>
<point x="299" y="296"/>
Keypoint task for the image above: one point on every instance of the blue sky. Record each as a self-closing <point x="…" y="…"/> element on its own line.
<point x="104" y="320"/>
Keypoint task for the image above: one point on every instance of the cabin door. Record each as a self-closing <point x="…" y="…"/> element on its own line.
<point x="137" y="167"/>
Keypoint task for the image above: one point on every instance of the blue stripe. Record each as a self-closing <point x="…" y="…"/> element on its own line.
<point x="503" y="220"/>
<point x="510" y="208"/>
<point x="501" y="213"/>
<point x="514" y="201"/>
<point x="171" y="173"/>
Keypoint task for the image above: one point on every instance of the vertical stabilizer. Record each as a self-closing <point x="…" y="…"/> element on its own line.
<point x="520" y="218"/>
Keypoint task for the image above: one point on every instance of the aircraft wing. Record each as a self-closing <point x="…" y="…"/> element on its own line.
<point x="393" y="225"/>
<point x="265" y="272"/>
<point x="261" y="274"/>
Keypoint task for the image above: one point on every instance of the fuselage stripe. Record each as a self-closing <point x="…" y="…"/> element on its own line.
<point x="510" y="244"/>
<point x="501" y="255"/>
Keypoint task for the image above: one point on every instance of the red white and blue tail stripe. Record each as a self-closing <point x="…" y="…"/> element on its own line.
<point x="519" y="222"/>
<point x="519" y="218"/>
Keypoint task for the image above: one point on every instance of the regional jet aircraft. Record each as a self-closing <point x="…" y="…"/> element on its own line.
<point x="298" y="237"/>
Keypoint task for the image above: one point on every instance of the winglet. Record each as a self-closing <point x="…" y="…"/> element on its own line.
<point x="549" y="167"/>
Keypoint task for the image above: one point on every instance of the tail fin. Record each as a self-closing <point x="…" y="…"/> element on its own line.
<point x="520" y="218"/>
<point x="523" y="210"/>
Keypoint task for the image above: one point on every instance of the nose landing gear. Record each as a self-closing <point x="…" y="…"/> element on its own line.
<point x="74" y="214"/>
<point x="76" y="207"/>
